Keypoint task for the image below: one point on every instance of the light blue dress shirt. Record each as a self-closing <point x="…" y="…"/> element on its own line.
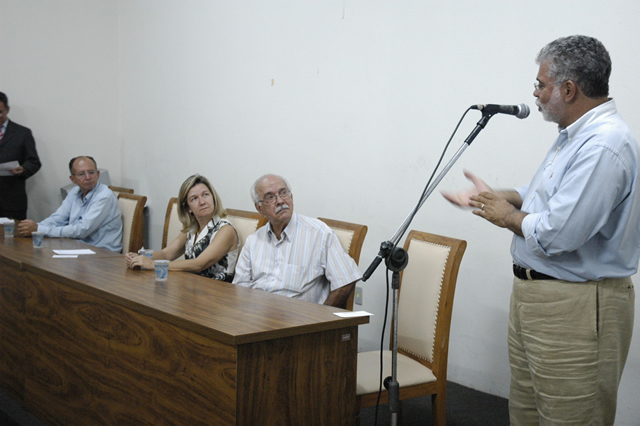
<point x="94" y="220"/>
<point x="583" y="204"/>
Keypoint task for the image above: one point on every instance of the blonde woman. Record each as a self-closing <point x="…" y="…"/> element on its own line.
<point x="208" y="241"/>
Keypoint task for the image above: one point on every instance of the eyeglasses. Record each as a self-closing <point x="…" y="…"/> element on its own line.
<point x="271" y="198"/>
<point x="81" y="175"/>
<point x="539" y="87"/>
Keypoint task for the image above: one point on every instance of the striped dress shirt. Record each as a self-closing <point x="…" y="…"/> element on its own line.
<point x="307" y="263"/>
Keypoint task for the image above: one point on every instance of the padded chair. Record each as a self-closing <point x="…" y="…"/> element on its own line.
<point x="245" y="222"/>
<point x="172" y="224"/>
<point x="118" y="189"/>
<point x="351" y="237"/>
<point x="425" y="302"/>
<point x="132" y="208"/>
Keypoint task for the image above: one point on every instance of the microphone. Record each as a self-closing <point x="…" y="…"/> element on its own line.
<point x="520" y="111"/>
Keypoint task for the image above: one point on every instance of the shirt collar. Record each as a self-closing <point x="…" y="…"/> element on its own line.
<point x="589" y="117"/>
<point x="89" y="194"/>
<point x="211" y="224"/>
<point x="288" y="231"/>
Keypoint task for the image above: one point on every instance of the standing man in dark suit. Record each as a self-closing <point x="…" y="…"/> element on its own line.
<point x="16" y="144"/>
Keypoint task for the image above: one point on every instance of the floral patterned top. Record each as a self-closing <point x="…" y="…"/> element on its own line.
<point x="225" y="268"/>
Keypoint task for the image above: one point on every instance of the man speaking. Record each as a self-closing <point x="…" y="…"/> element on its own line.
<point x="576" y="243"/>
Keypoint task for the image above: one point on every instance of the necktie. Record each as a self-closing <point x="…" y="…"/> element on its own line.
<point x="1" y="133"/>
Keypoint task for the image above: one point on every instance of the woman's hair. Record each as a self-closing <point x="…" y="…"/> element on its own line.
<point x="189" y="222"/>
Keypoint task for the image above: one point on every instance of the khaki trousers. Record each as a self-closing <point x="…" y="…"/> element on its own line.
<point x="568" y="343"/>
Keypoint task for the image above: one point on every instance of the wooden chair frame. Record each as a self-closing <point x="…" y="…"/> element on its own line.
<point x="173" y="203"/>
<point x="436" y="389"/>
<point x="136" y="235"/>
<point x="255" y="216"/>
<point x="355" y="246"/>
<point x="120" y="189"/>
<point x="248" y="214"/>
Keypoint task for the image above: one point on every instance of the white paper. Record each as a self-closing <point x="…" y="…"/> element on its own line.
<point x="4" y="220"/>
<point x="74" y="252"/>
<point x="65" y="256"/>
<point x="5" y="167"/>
<point x="353" y="314"/>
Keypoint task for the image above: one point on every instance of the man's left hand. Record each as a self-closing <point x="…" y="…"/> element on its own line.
<point x="498" y="211"/>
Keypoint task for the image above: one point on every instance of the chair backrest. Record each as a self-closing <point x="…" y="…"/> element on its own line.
<point x="245" y="222"/>
<point x="425" y="303"/>
<point x="118" y="189"/>
<point x="172" y="224"/>
<point x="351" y="237"/>
<point x="132" y="208"/>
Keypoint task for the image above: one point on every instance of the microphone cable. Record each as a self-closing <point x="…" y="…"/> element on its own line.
<point x="412" y="215"/>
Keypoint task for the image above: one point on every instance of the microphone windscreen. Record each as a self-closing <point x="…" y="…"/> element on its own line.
<point x="523" y="111"/>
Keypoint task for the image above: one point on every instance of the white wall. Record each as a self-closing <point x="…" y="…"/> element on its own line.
<point x="60" y="72"/>
<point x="352" y="101"/>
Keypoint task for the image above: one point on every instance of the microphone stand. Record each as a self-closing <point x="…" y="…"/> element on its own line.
<point x="396" y="259"/>
<point x="396" y="262"/>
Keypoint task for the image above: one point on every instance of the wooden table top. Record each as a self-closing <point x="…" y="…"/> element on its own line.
<point x="228" y="313"/>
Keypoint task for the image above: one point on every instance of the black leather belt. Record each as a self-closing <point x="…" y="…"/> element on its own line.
<point x="530" y="274"/>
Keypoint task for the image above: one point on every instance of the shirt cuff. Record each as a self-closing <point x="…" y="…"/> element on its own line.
<point x="528" y="229"/>
<point x="529" y="224"/>
<point x="46" y="229"/>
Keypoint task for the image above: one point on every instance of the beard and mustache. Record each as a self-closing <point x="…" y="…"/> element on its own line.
<point x="554" y="109"/>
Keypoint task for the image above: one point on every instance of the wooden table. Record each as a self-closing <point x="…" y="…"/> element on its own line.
<point x="88" y="341"/>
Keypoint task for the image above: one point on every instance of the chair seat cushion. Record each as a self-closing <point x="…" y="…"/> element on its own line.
<point x="410" y="372"/>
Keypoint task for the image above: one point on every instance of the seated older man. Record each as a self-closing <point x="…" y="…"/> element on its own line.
<point x="294" y="255"/>
<point x="89" y="213"/>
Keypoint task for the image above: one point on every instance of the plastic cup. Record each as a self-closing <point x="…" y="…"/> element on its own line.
<point x="162" y="269"/>
<point x="146" y="252"/>
<point x="38" y="237"/>
<point x="9" y="228"/>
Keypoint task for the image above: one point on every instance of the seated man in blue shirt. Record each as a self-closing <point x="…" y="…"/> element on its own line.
<point x="89" y="213"/>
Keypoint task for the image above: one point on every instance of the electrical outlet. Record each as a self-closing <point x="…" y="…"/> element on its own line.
<point x="358" y="298"/>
